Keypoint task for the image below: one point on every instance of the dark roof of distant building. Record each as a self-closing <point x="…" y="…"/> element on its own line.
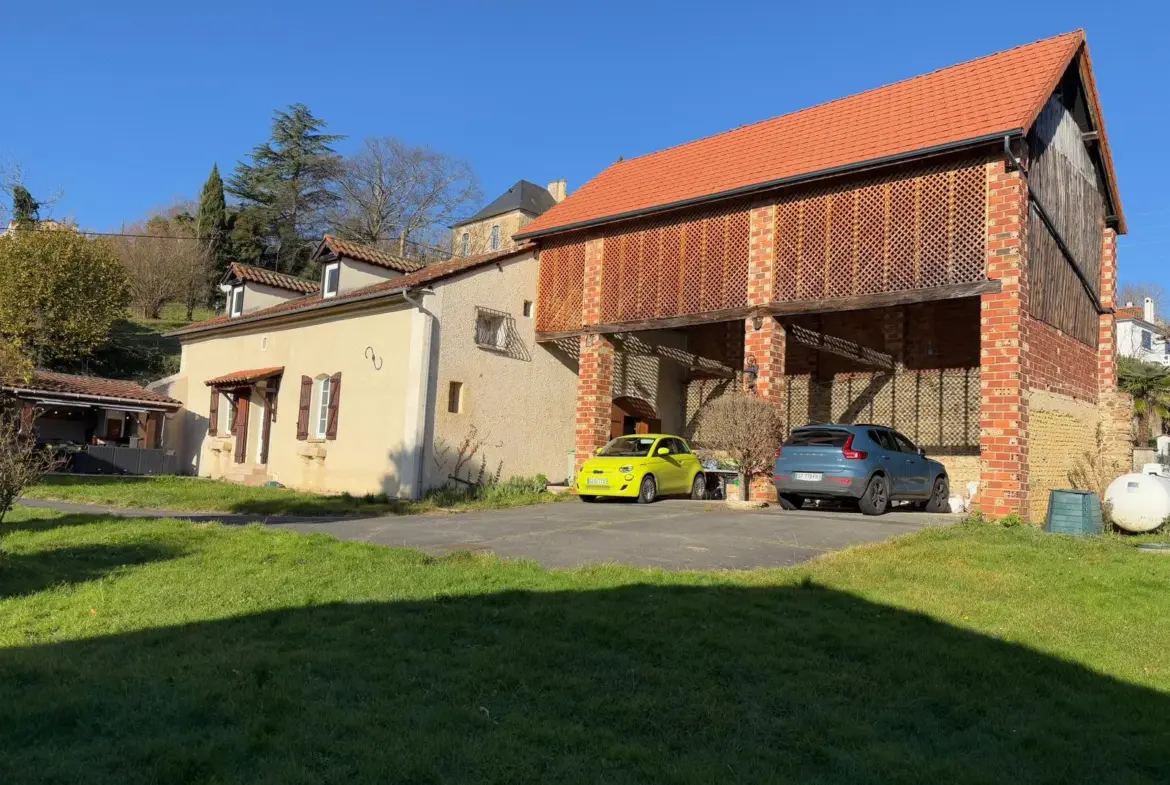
<point x="525" y="196"/>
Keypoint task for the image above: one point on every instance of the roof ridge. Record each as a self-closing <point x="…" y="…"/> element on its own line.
<point x="1078" y="32"/>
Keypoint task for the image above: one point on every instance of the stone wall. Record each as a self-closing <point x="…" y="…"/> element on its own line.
<point x="1061" y="430"/>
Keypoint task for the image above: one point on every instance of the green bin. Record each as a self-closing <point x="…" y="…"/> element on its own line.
<point x="1073" y="512"/>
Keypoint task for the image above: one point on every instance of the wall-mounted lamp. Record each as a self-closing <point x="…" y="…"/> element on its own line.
<point x="757" y="322"/>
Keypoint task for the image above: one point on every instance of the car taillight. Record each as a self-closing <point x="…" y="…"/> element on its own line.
<point x="779" y="450"/>
<point x="852" y="454"/>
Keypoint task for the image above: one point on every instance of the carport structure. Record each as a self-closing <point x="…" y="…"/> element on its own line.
<point x="937" y="255"/>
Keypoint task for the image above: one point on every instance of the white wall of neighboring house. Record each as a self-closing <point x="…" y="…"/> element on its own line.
<point x="1143" y="339"/>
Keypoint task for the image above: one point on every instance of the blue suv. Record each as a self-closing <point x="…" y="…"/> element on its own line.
<point x="872" y="464"/>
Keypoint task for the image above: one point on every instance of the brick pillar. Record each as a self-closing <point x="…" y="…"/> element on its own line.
<point x="764" y="341"/>
<point x="1114" y="407"/>
<point x="1003" y="410"/>
<point x="595" y="366"/>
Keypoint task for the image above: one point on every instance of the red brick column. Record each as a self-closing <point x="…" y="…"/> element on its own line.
<point x="1107" y="334"/>
<point x="764" y="342"/>
<point x="595" y="364"/>
<point x="1003" y="411"/>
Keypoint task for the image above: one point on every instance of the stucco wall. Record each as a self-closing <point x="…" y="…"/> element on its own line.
<point x="367" y="456"/>
<point x="653" y="366"/>
<point x="1061" y="429"/>
<point x="258" y="296"/>
<point x="520" y="400"/>
<point x="357" y="275"/>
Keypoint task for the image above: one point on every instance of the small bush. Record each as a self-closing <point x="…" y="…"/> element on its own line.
<point x="977" y="518"/>
<point x="510" y="491"/>
<point x="1010" y="521"/>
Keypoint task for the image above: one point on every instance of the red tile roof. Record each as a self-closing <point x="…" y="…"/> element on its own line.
<point x="979" y="99"/>
<point x="428" y="274"/>
<point x="1132" y="312"/>
<point x="50" y="382"/>
<point x="369" y="255"/>
<point x="245" y="377"/>
<point x="246" y="272"/>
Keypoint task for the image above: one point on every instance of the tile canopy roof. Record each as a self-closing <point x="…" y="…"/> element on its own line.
<point x="245" y="377"/>
<point x="367" y="254"/>
<point x="96" y="387"/>
<point x="392" y="286"/>
<point x="246" y="272"/>
<point x="977" y="100"/>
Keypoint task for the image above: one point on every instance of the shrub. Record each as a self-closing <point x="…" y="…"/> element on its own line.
<point x="746" y="428"/>
<point x="22" y="461"/>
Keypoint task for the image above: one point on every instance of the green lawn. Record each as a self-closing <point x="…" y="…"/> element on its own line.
<point x="201" y="495"/>
<point x="165" y="652"/>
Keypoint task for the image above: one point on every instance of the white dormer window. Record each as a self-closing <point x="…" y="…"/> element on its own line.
<point x="465" y="244"/>
<point x="332" y="277"/>
<point x="236" y="301"/>
<point x="495" y="241"/>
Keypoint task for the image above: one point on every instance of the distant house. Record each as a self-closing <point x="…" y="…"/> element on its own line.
<point x="1140" y="335"/>
<point x="371" y="378"/>
<point x="491" y="229"/>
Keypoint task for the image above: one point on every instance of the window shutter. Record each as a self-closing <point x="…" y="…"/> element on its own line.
<point x="213" y="416"/>
<point x="334" y="402"/>
<point x="303" y="411"/>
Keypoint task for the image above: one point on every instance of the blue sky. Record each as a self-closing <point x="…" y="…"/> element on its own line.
<point x="125" y="105"/>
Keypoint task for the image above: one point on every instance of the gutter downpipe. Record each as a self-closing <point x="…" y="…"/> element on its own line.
<point x="420" y="429"/>
<point x="1047" y="221"/>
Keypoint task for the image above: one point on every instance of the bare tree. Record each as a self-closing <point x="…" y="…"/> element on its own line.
<point x="747" y="428"/>
<point x="397" y="196"/>
<point x="1137" y="293"/>
<point x="12" y="178"/>
<point x="165" y="262"/>
<point x="22" y="461"/>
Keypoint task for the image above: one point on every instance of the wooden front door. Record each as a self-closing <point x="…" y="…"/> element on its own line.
<point x="240" y="431"/>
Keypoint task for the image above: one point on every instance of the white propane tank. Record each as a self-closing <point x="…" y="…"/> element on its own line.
<point x="1139" y="502"/>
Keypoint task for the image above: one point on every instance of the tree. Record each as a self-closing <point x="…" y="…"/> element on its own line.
<point x="62" y="292"/>
<point x="289" y="183"/>
<point x="25" y="209"/>
<point x="22" y="461"/>
<point x="211" y="227"/>
<point x="165" y="262"/>
<point x="747" y="428"/>
<point x="392" y="193"/>
<point x="1149" y="385"/>
<point x="1137" y="293"/>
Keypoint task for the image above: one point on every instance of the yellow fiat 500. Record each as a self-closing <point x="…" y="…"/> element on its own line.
<point x="644" y="466"/>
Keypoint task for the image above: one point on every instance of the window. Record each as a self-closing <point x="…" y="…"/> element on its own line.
<point x="904" y="444"/>
<point x="465" y="244"/>
<point x="1147" y="340"/>
<point x="528" y="309"/>
<point x="455" y="397"/>
<point x="817" y="437"/>
<point x="884" y="439"/>
<point x="491" y="329"/>
<point x="332" y="279"/>
<point x="237" y="300"/>
<point x="495" y="241"/>
<point x="231" y="412"/>
<point x="628" y="447"/>
<point x="322" y="415"/>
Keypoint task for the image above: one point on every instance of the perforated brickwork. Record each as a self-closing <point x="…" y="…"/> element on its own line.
<point x="562" y="273"/>
<point x="668" y="267"/>
<point x="896" y="233"/>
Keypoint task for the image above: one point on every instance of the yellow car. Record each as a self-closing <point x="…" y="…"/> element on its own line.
<point x="643" y="466"/>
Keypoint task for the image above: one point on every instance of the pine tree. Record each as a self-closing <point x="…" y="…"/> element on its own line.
<point x="211" y="226"/>
<point x="288" y="184"/>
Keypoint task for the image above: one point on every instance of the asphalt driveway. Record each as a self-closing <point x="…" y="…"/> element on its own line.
<point x="672" y="534"/>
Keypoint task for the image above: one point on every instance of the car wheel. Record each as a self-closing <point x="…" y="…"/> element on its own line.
<point x="940" y="495"/>
<point x="588" y="499"/>
<point x="648" y="491"/>
<point x="790" y="501"/>
<point x="699" y="487"/>
<point x="876" y="499"/>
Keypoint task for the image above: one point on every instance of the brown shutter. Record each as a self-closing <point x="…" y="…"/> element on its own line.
<point x="213" y="416"/>
<point x="241" y="428"/>
<point x="334" y="403"/>
<point x="303" y="412"/>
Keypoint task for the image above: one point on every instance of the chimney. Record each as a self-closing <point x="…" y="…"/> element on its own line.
<point x="558" y="189"/>
<point x="1148" y="309"/>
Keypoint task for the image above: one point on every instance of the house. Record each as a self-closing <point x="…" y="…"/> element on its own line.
<point x="1140" y="335"/>
<point x="373" y="378"/>
<point x="120" y="421"/>
<point x="491" y="229"/>
<point x="937" y="255"/>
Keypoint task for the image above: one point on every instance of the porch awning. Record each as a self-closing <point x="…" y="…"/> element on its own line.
<point x="243" y="378"/>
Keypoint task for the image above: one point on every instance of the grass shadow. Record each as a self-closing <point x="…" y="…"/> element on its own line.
<point x="631" y="684"/>
<point x="25" y="573"/>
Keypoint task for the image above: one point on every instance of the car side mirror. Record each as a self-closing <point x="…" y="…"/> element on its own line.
<point x="598" y="451"/>
<point x="663" y="451"/>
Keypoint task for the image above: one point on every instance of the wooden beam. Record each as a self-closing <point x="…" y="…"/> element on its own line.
<point x="665" y="323"/>
<point x="1090" y="136"/>
<point x="884" y="299"/>
<point x="841" y="347"/>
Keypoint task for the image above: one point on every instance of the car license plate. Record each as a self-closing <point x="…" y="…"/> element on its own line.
<point x="597" y="481"/>
<point x="808" y="476"/>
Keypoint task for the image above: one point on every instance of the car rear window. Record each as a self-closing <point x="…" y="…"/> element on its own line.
<point x="817" y="437"/>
